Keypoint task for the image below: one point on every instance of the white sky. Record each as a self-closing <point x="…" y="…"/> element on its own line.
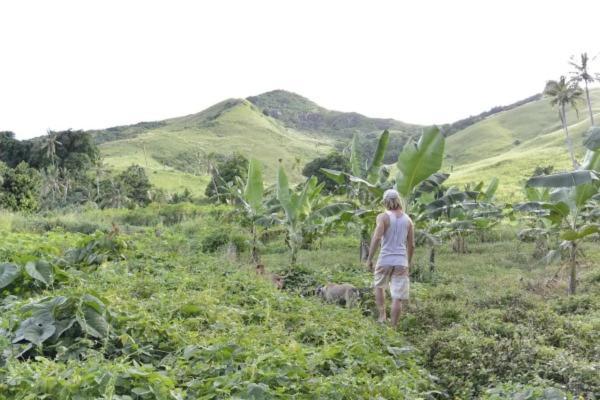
<point x="95" y="64"/>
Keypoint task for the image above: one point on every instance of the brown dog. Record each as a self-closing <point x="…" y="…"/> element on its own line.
<point x="334" y="293"/>
<point x="275" y="279"/>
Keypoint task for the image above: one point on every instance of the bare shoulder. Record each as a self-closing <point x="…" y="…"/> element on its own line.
<point x="382" y="217"/>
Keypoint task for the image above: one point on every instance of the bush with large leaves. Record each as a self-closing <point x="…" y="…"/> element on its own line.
<point x="53" y="322"/>
<point x="571" y="192"/>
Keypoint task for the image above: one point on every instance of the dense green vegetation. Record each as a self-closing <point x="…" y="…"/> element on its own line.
<point x="188" y="323"/>
<point x="113" y="288"/>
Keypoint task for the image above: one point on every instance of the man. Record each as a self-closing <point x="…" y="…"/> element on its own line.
<point x="396" y="233"/>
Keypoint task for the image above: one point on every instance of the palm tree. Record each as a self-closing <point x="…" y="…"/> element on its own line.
<point x="563" y="94"/>
<point x="581" y="74"/>
<point x="50" y="144"/>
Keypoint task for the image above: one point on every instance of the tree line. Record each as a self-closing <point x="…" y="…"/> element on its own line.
<point x="62" y="169"/>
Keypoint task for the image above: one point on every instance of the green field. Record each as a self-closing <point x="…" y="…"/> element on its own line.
<point x="189" y="321"/>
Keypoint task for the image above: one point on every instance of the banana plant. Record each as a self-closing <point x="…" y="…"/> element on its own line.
<point x="570" y="194"/>
<point x="364" y="185"/>
<point x="256" y="211"/>
<point x="418" y="163"/>
<point x="306" y="212"/>
<point x="457" y="213"/>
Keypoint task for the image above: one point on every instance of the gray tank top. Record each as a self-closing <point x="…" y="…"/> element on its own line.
<point x="393" y="244"/>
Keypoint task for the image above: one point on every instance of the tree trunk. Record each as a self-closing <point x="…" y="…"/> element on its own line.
<point x="563" y="118"/>
<point x="458" y="244"/>
<point x="432" y="259"/>
<point x="573" y="271"/>
<point x="589" y="103"/>
<point x="294" y="258"/>
<point x="255" y="255"/>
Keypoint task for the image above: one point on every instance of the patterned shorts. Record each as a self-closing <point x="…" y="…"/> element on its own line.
<point x="396" y="277"/>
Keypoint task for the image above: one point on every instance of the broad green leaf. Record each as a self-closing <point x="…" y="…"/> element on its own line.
<point x="35" y="330"/>
<point x="491" y="189"/>
<point x="418" y="161"/>
<point x="434" y="181"/>
<point x="8" y="274"/>
<point x="91" y="321"/>
<point x="284" y="196"/>
<point x="592" y="141"/>
<point x="565" y="179"/>
<point x="40" y="270"/>
<point x="355" y="159"/>
<point x="591" y="161"/>
<point x="373" y="173"/>
<point x="537" y="194"/>
<point x="581" y="233"/>
<point x="337" y="176"/>
<point x="253" y="193"/>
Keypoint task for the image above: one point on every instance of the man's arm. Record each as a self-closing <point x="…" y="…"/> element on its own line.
<point x="410" y="242"/>
<point x="377" y="235"/>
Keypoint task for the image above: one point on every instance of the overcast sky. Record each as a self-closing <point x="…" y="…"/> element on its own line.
<point x="95" y="64"/>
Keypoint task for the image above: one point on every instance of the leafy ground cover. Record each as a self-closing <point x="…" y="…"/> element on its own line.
<point x="159" y="308"/>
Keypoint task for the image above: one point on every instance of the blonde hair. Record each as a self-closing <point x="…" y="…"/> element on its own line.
<point x="392" y="203"/>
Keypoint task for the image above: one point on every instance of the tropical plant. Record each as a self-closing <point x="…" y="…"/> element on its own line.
<point x="49" y="146"/>
<point x="306" y="213"/>
<point x="418" y="164"/>
<point x="255" y="208"/>
<point x="568" y="199"/>
<point x="562" y="94"/>
<point x="581" y="74"/>
<point x="56" y="320"/>
<point x="364" y="184"/>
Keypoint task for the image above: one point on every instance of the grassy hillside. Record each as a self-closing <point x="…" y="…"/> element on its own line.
<point x="181" y="144"/>
<point x="283" y="125"/>
<point x="511" y="144"/>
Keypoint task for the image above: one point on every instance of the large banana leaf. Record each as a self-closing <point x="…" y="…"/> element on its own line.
<point x="338" y="177"/>
<point x="342" y="177"/>
<point x="434" y="181"/>
<point x="565" y="179"/>
<point x="592" y="141"/>
<point x="373" y="173"/>
<point x="284" y="196"/>
<point x="302" y="204"/>
<point x="491" y="190"/>
<point x="418" y="161"/>
<point x="591" y="160"/>
<point x="253" y="193"/>
<point x="586" y="230"/>
<point x="355" y="159"/>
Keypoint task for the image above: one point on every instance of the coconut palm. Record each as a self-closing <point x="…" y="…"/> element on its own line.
<point x="581" y="74"/>
<point x="50" y="144"/>
<point x="562" y="94"/>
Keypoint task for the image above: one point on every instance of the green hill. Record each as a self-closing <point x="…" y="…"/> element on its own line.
<point x="272" y="126"/>
<point x="175" y="150"/>
<point x="512" y="143"/>
<point x="507" y="142"/>
<point x="300" y="113"/>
